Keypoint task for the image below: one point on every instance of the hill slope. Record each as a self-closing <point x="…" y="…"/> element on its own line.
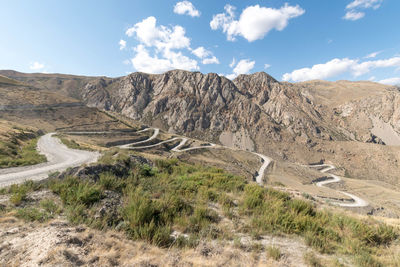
<point x="302" y="122"/>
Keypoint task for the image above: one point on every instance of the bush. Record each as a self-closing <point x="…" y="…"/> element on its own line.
<point x="17" y="152"/>
<point x="147" y="170"/>
<point x="201" y="219"/>
<point x="366" y="260"/>
<point x="274" y="253"/>
<point x="175" y="195"/>
<point x="50" y="206"/>
<point x="32" y="214"/>
<point x="311" y="260"/>
<point x="320" y="242"/>
<point x="143" y="219"/>
<point x="109" y="181"/>
<point x="166" y="165"/>
<point x="78" y="198"/>
<point x="73" y="191"/>
<point x="19" y="192"/>
<point x="18" y="197"/>
<point x="253" y="196"/>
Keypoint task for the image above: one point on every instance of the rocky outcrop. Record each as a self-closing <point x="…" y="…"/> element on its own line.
<point x="93" y="172"/>
<point x="251" y="111"/>
<point x="212" y="107"/>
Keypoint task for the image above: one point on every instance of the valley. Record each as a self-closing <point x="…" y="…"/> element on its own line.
<point x="333" y="155"/>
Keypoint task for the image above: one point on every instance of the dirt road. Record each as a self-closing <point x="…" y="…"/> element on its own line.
<point x="59" y="157"/>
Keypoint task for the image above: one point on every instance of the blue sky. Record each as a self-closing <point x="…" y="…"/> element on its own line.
<point x="291" y="40"/>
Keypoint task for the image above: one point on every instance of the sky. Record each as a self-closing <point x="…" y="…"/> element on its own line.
<point x="293" y="40"/>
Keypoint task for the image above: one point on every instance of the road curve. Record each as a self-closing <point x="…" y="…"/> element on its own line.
<point x="260" y="174"/>
<point x="155" y="134"/>
<point x="357" y="201"/>
<point x="59" y="158"/>
<point x="266" y="161"/>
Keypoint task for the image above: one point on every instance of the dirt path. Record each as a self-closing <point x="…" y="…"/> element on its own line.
<point x="260" y="174"/>
<point x="357" y="201"/>
<point x="59" y="158"/>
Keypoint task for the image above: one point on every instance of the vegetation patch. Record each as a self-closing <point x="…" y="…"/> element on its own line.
<point x="171" y="203"/>
<point x="19" y="151"/>
<point x="19" y="192"/>
<point x="70" y="143"/>
<point x="275" y="212"/>
<point x="274" y="253"/>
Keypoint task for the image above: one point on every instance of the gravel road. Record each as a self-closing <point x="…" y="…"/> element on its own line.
<point x="59" y="158"/>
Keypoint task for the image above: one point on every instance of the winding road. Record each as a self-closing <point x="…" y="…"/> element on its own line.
<point x="260" y="174"/>
<point x="357" y="201"/>
<point x="59" y="158"/>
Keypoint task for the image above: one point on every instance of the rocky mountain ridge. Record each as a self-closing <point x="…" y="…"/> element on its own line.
<point x="251" y="112"/>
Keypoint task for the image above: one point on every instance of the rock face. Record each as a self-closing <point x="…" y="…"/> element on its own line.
<point x="249" y="112"/>
<point x="212" y="107"/>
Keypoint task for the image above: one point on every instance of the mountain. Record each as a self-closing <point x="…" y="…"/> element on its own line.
<point x="48" y="102"/>
<point x="212" y="106"/>
<point x="351" y="127"/>
<point x="301" y="122"/>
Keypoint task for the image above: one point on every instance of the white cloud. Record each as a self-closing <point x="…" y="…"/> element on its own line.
<point x="36" y="66"/>
<point x="161" y="48"/>
<point x="244" y="66"/>
<point x="375" y="4"/>
<point x="391" y="81"/>
<point x="353" y="8"/>
<point x="255" y="22"/>
<point x="365" y="67"/>
<point x="186" y="7"/>
<point x="201" y="52"/>
<point x="145" y="62"/>
<point x="232" y="63"/>
<point x="373" y="55"/>
<point x="161" y="37"/>
<point x="210" y="60"/>
<point x="353" y="15"/>
<point x="122" y="44"/>
<point x="206" y="55"/>
<point x="266" y="66"/>
<point x="320" y="71"/>
<point x="337" y="67"/>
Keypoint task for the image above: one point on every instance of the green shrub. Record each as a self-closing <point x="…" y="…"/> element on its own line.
<point x="147" y="170"/>
<point x="32" y="214"/>
<point x="19" y="192"/>
<point x="366" y="260"/>
<point x="73" y="191"/>
<point x="201" y="219"/>
<point x="18" y="197"/>
<point x="172" y="206"/>
<point x="109" y="181"/>
<point x="311" y="260"/>
<point x="176" y="196"/>
<point x="78" y="214"/>
<point x="16" y="153"/>
<point x="274" y="253"/>
<point x="50" y="206"/>
<point x="320" y="242"/>
<point x="166" y="165"/>
<point x="143" y="219"/>
<point x="253" y="196"/>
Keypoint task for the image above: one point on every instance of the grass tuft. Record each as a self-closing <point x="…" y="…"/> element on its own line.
<point x="274" y="253"/>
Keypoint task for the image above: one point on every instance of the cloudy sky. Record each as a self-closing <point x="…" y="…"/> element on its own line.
<point x="291" y="40"/>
